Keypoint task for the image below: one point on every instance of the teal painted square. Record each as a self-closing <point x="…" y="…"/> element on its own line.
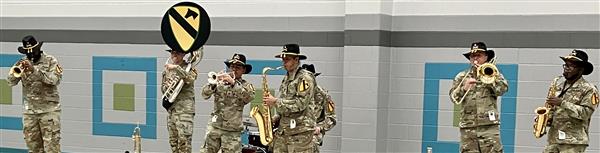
<point x="123" y="97"/>
<point x="5" y="93"/>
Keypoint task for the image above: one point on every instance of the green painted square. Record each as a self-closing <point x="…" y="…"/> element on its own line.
<point x="5" y="93"/>
<point x="456" y="115"/>
<point x="123" y="97"/>
<point x="257" y="101"/>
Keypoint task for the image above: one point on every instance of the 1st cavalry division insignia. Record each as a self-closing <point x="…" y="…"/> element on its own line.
<point x="59" y="69"/>
<point x="595" y="98"/>
<point x="302" y="86"/>
<point x="185" y="27"/>
<point x="330" y="105"/>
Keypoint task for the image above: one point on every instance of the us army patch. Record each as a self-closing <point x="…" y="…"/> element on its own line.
<point x="302" y="86"/>
<point x="595" y="98"/>
<point x="59" y="69"/>
<point x="330" y="105"/>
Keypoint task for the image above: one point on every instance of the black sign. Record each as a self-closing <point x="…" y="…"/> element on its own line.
<point x="185" y="27"/>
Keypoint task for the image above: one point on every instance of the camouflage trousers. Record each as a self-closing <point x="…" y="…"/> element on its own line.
<point x="180" y="128"/>
<point x="299" y="143"/>
<point x="481" y="139"/>
<point x="565" y="148"/>
<point x="217" y="139"/>
<point x="42" y="132"/>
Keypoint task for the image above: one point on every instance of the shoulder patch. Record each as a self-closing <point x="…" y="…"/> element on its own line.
<point x="595" y="98"/>
<point x="59" y="69"/>
<point x="330" y="105"/>
<point x="302" y="86"/>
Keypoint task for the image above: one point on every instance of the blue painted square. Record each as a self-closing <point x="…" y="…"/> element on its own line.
<point x="9" y="122"/>
<point x="434" y="72"/>
<point x="143" y="64"/>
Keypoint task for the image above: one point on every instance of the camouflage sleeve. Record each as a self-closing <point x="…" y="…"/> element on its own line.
<point x="50" y="75"/>
<point x="188" y="77"/>
<point x="244" y="91"/>
<point x="302" y="98"/>
<point x="330" y="117"/>
<point x="208" y="90"/>
<point x="164" y="85"/>
<point x="456" y="91"/>
<point x="585" y="109"/>
<point x="500" y="86"/>
<point x="12" y="81"/>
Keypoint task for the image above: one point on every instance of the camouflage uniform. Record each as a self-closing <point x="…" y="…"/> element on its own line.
<point x="296" y="125"/>
<point x="569" y="127"/>
<point x="324" y="111"/>
<point x="180" y="121"/>
<point x="479" y="121"/>
<point x="225" y="126"/>
<point x="41" y="115"/>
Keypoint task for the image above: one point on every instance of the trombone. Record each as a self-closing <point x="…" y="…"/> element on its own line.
<point x="486" y="73"/>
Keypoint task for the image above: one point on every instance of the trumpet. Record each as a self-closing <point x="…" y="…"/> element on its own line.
<point x="17" y="70"/>
<point x="486" y="73"/>
<point x="217" y="78"/>
<point x="543" y="113"/>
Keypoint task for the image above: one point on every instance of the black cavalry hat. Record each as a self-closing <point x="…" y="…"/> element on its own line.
<point x="291" y="49"/>
<point x="239" y="59"/>
<point x="581" y="58"/>
<point x="311" y="68"/>
<point x="30" y="44"/>
<point x="480" y="47"/>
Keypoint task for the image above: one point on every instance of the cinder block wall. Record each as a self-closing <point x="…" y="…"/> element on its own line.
<point x="378" y="58"/>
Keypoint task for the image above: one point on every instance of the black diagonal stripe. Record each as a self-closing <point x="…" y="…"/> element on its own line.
<point x="181" y="21"/>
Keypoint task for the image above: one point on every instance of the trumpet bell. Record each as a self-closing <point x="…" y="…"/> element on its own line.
<point x="212" y="77"/>
<point x="16" y="71"/>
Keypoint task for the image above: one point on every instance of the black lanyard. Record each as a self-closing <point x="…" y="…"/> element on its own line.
<point x="563" y="91"/>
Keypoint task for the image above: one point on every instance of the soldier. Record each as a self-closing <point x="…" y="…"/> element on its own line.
<point x="479" y="122"/>
<point x="572" y="109"/>
<point x="40" y="75"/>
<point x="296" y="123"/>
<point x="231" y="94"/>
<point x="323" y="109"/>
<point x="180" y="121"/>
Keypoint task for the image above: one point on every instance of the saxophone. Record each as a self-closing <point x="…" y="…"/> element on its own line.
<point x="137" y="140"/>
<point x="263" y="120"/>
<point x="543" y="113"/>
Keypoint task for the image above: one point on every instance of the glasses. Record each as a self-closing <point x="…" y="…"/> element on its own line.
<point x="569" y="66"/>
<point x="235" y="66"/>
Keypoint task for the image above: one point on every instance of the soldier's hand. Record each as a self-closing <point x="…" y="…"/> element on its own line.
<point x="469" y="82"/>
<point x="170" y="66"/>
<point x="27" y="66"/>
<point x="317" y="130"/>
<point x="269" y="100"/>
<point x="554" y="101"/>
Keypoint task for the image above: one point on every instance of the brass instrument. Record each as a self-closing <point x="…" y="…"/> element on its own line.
<point x="17" y="70"/>
<point x="263" y="120"/>
<point x="216" y="78"/>
<point x="486" y="73"/>
<point x="543" y="113"/>
<point x="176" y="83"/>
<point x="137" y="140"/>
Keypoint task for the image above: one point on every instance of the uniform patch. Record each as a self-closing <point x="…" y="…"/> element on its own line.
<point x="302" y="86"/>
<point x="59" y="69"/>
<point x="330" y="105"/>
<point x="595" y="98"/>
